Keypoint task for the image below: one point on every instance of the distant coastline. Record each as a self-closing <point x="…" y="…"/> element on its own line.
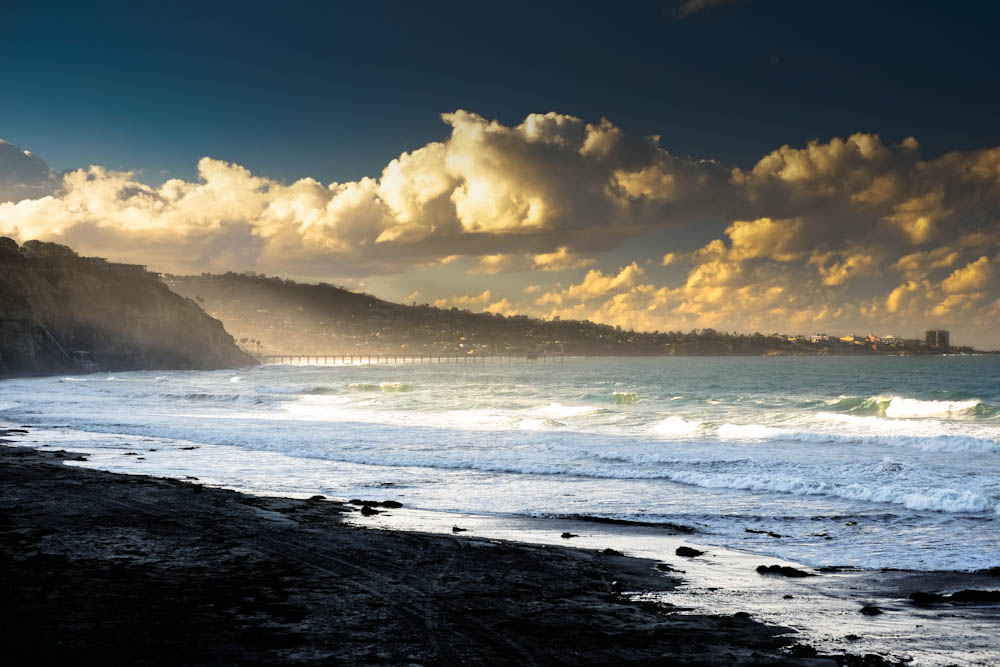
<point x="272" y="316"/>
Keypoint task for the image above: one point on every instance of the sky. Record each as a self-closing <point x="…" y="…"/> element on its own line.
<point x="744" y="165"/>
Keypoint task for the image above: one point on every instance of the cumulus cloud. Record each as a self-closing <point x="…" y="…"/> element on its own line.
<point x="777" y="239"/>
<point x="560" y="260"/>
<point x="501" y="307"/>
<point x="851" y="229"/>
<point x="973" y="276"/>
<point x="466" y="301"/>
<point x="596" y="284"/>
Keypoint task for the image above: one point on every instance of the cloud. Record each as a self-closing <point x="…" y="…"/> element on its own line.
<point x="560" y="260"/>
<point x="920" y="264"/>
<point x="973" y="276"/>
<point x="851" y="228"/>
<point x="596" y="284"/>
<point x="493" y="264"/>
<point x="466" y="301"/>
<point x="501" y="307"/>
<point x="777" y="239"/>
<point x="837" y="269"/>
<point x="547" y="194"/>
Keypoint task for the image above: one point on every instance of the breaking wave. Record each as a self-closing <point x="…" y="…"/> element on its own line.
<point x="900" y="407"/>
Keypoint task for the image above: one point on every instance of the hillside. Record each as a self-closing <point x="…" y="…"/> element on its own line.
<point x="63" y="313"/>
<point x="271" y="315"/>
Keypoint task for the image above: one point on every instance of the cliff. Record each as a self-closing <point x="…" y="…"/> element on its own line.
<point x="61" y="313"/>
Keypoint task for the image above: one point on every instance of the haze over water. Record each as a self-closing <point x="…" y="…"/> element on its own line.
<point x="874" y="462"/>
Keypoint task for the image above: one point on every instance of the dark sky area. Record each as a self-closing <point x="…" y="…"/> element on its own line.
<point x="335" y="91"/>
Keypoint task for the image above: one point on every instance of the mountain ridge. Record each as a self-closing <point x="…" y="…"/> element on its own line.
<point x="271" y="315"/>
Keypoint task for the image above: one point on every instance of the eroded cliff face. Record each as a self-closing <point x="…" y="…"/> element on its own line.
<point x="60" y="313"/>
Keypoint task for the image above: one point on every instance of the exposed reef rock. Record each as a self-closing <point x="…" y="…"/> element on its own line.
<point x="61" y="313"/>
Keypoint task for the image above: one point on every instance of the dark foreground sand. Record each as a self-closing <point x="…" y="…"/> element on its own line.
<point x="114" y="569"/>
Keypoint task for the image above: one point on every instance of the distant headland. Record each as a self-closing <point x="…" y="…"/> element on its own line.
<point x="269" y="315"/>
<point x="62" y="313"/>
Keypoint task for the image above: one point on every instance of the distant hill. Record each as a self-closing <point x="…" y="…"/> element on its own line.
<point x="271" y="315"/>
<point x="61" y="313"/>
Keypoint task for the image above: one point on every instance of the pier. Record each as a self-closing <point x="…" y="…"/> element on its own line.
<point x="384" y="359"/>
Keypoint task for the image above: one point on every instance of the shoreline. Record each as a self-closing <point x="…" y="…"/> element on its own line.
<point x="511" y="592"/>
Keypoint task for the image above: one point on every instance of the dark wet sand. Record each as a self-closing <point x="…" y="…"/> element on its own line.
<point x="120" y="569"/>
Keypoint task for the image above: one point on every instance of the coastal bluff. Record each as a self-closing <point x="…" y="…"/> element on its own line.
<point x="62" y="313"/>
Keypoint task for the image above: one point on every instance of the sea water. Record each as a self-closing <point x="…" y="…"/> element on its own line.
<point x="868" y="462"/>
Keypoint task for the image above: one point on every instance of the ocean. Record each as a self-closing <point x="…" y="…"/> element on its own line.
<point x="874" y="462"/>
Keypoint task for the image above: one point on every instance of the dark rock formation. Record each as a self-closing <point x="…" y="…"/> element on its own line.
<point x="783" y="570"/>
<point x="763" y="532"/>
<point x="688" y="552"/>
<point x="61" y="313"/>
<point x="389" y="504"/>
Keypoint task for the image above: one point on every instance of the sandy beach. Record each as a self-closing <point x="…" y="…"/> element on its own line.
<point x="127" y="569"/>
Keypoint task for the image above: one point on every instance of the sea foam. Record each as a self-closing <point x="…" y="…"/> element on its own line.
<point x="673" y="426"/>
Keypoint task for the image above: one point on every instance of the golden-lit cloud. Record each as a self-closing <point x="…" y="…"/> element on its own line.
<point x="493" y="264"/>
<point x="465" y="301"/>
<point x="847" y="232"/>
<point x="596" y="284"/>
<point x="764" y="237"/>
<point x="971" y="277"/>
<point x="560" y="260"/>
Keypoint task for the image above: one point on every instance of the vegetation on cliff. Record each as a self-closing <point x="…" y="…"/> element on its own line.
<point x="276" y="316"/>
<point x="62" y="313"/>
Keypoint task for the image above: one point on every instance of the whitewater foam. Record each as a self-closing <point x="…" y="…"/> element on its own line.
<point x="911" y="407"/>
<point x="560" y="411"/>
<point x="674" y="426"/>
<point x="901" y="407"/>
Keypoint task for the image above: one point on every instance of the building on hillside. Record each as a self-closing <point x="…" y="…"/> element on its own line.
<point x="938" y="339"/>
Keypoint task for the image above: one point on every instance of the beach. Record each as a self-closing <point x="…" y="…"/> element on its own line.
<point x="601" y="511"/>
<point x="129" y="569"/>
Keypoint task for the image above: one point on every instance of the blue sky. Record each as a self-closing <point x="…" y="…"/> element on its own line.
<point x="818" y="165"/>
<point x="335" y="90"/>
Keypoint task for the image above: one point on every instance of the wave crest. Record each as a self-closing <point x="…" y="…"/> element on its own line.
<point x="901" y="407"/>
